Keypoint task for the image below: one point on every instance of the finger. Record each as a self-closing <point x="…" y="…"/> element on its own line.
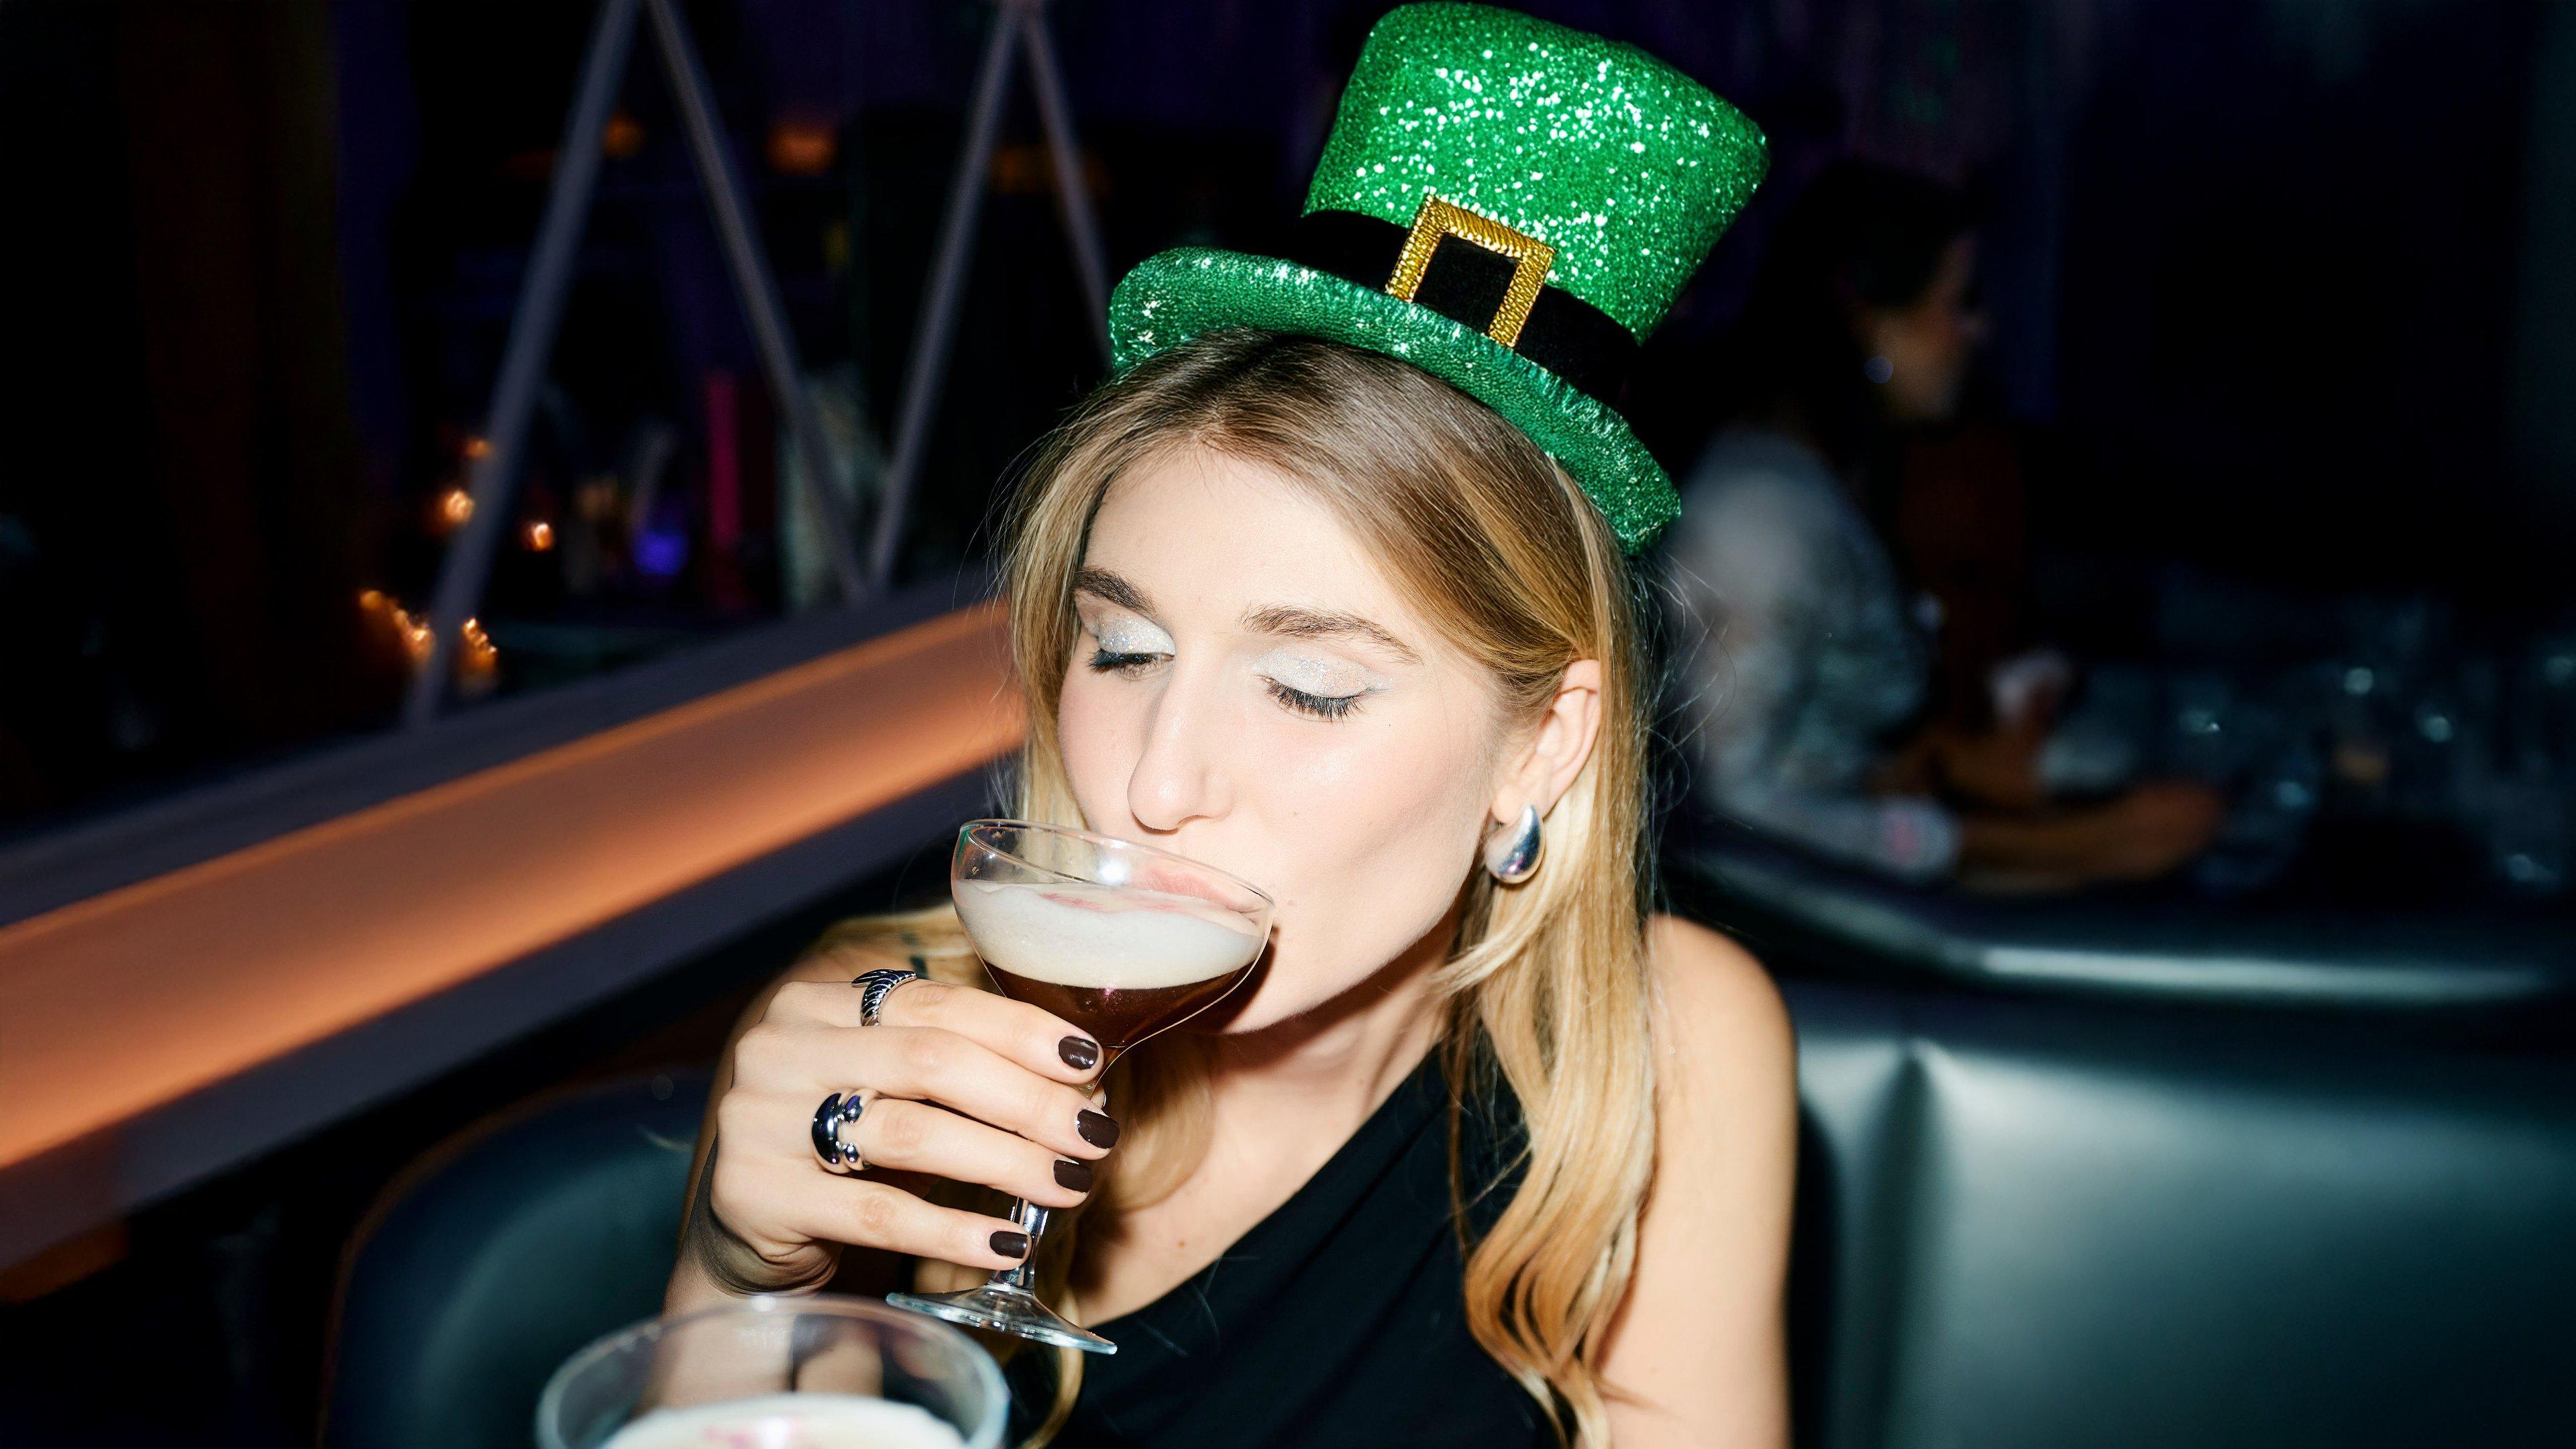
<point x="1032" y="1036"/>
<point x="871" y="1214"/>
<point x="926" y="1065"/>
<point x="1037" y="1039"/>
<point x="918" y="1137"/>
<point x="815" y="1003"/>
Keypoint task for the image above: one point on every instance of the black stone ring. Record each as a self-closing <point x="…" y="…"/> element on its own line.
<point x="836" y="1113"/>
<point x="873" y="986"/>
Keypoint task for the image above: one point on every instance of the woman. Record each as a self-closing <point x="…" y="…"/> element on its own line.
<point x="1803" y="663"/>
<point x="1481" y="1151"/>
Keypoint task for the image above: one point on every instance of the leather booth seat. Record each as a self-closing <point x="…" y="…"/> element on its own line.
<point x="2022" y="1224"/>
<point x="501" y="1253"/>
<point x="2032" y="1224"/>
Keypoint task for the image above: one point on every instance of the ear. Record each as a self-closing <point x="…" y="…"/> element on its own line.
<point x="1545" y="763"/>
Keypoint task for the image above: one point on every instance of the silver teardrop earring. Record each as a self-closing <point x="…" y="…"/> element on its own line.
<point x="1512" y="855"/>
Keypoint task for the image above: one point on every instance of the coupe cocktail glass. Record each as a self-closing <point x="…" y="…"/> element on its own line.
<point x="1119" y="939"/>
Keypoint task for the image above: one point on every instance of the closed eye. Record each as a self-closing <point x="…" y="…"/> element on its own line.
<point x="1316" y="706"/>
<point x="1104" y="661"/>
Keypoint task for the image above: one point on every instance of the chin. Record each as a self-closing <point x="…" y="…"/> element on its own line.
<point x="1245" y="1023"/>
<point x="1261" y="1008"/>
<point x="1268" y="1000"/>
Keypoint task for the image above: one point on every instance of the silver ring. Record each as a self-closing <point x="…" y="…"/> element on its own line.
<point x="873" y="986"/>
<point x="838" y="1113"/>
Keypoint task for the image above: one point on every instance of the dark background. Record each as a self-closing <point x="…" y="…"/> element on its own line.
<point x="2282" y="302"/>
<point x="2284" y="305"/>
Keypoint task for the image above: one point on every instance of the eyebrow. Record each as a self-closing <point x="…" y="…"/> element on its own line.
<point x="1284" y="619"/>
<point x="1109" y="588"/>
<point x="1299" y="623"/>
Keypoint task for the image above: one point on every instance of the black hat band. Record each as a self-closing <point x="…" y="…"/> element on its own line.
<point x="1469" y="284"/>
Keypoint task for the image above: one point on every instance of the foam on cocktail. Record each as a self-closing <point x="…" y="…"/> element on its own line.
<point x="790" y="1421"/>
<point x="1102" y="937"/>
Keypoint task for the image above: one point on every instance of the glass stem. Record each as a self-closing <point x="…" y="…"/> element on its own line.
<point x="1024" y="1274"/>
<point x="1032" y="1219"/>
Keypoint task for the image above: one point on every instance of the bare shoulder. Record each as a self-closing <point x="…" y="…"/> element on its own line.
<point x="1721" y="1011"/>
<point x="1726" y="1054"/>
<point x="1698" y="1345"/>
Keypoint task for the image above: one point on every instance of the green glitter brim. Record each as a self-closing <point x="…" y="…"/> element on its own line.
<point x="1177" y="295"/>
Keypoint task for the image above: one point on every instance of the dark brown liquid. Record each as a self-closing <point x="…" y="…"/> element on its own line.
<point x="1119" y="1017"/>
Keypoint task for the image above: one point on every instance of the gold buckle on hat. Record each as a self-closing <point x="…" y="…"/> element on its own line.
<point x="1531" y="259"/>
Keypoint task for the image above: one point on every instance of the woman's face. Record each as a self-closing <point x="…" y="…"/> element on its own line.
<point x="1928" y="345"/>
<point x="1249" y="690"/>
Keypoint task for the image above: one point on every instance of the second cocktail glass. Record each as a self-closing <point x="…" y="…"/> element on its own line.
<point x="1119" y="939"/>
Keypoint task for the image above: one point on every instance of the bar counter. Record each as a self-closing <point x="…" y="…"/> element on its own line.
<point x="168" y="1027"/>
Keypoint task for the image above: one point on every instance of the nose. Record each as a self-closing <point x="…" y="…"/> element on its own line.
<point x="1179" y="775"/>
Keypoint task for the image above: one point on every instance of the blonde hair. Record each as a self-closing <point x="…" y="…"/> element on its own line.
<point x="1546" y="983"/>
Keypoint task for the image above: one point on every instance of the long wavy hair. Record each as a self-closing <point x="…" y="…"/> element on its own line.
<point x="1544" y="991"/>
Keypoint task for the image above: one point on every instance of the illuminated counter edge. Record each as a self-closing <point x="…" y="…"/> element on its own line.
<point x="734" y="806"/>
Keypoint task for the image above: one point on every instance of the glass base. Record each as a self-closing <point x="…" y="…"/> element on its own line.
<point x="1003" y="1308"/>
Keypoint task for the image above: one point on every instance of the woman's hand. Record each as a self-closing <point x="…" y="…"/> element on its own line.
<point x="2151" y="830"/>
<point x="2155" y="828"/>
<point x="1994" y="769"/>
<point x="959" y="1083"/>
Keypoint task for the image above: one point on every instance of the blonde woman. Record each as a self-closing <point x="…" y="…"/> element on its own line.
<point x="1329" y="588"/>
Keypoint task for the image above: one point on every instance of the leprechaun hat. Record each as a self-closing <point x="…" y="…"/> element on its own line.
<point x="1507" y="204"/>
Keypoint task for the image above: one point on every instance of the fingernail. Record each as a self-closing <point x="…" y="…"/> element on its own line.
<point x="1079" y="1052"/>
<point x="1075" y="1175"/>
<point x="1011" y="1245"/>
<point x="1096" y="1129"/>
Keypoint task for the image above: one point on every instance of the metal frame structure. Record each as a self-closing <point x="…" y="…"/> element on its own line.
<point x="1018" y="24"/>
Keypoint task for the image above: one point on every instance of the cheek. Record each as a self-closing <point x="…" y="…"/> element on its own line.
<point x="1363" y="830"/>
<point x="1097" y="738"/>
<point x="1376" y="828"/>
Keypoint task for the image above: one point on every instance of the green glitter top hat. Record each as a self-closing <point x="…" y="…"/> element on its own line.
<point x="1510" y="206"/>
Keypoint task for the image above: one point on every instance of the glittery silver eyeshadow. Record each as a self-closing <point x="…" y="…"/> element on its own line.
<point x="1310" y="675"/>
<point x="1125" y="634"/>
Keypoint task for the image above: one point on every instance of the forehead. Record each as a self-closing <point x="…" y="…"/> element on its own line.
<point x="1206" y="532"/>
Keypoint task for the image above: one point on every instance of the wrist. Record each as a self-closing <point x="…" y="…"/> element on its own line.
<point x="717" y="1267"/>
<point x="692" y="1288"/>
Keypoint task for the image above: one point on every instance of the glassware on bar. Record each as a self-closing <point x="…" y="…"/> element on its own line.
<point x="816" y="1372"/>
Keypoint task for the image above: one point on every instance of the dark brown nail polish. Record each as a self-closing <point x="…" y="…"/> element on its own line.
<point x="1011" y="1245"/>
<point x="1079" y="1052"/>
<point x="1075" y="1175"/>
<point x="1096" y="1129"/>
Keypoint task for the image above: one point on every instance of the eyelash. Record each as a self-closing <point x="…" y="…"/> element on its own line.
<point x="1318" y="706"/>
<point x="1313" y="706"/>
<point x="1104" y="662"/>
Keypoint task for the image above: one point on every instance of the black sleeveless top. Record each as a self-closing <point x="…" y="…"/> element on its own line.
<point x="1339" y="1319"/>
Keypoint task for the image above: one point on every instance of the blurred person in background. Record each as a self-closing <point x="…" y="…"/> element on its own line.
<point x="1803" y="665"/>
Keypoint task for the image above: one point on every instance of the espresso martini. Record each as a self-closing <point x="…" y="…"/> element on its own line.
<point x="1119" y="939"/>
<point x="1120" y="962"/>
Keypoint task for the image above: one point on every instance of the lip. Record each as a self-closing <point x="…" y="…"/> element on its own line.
<point x="1174" y="883"/>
